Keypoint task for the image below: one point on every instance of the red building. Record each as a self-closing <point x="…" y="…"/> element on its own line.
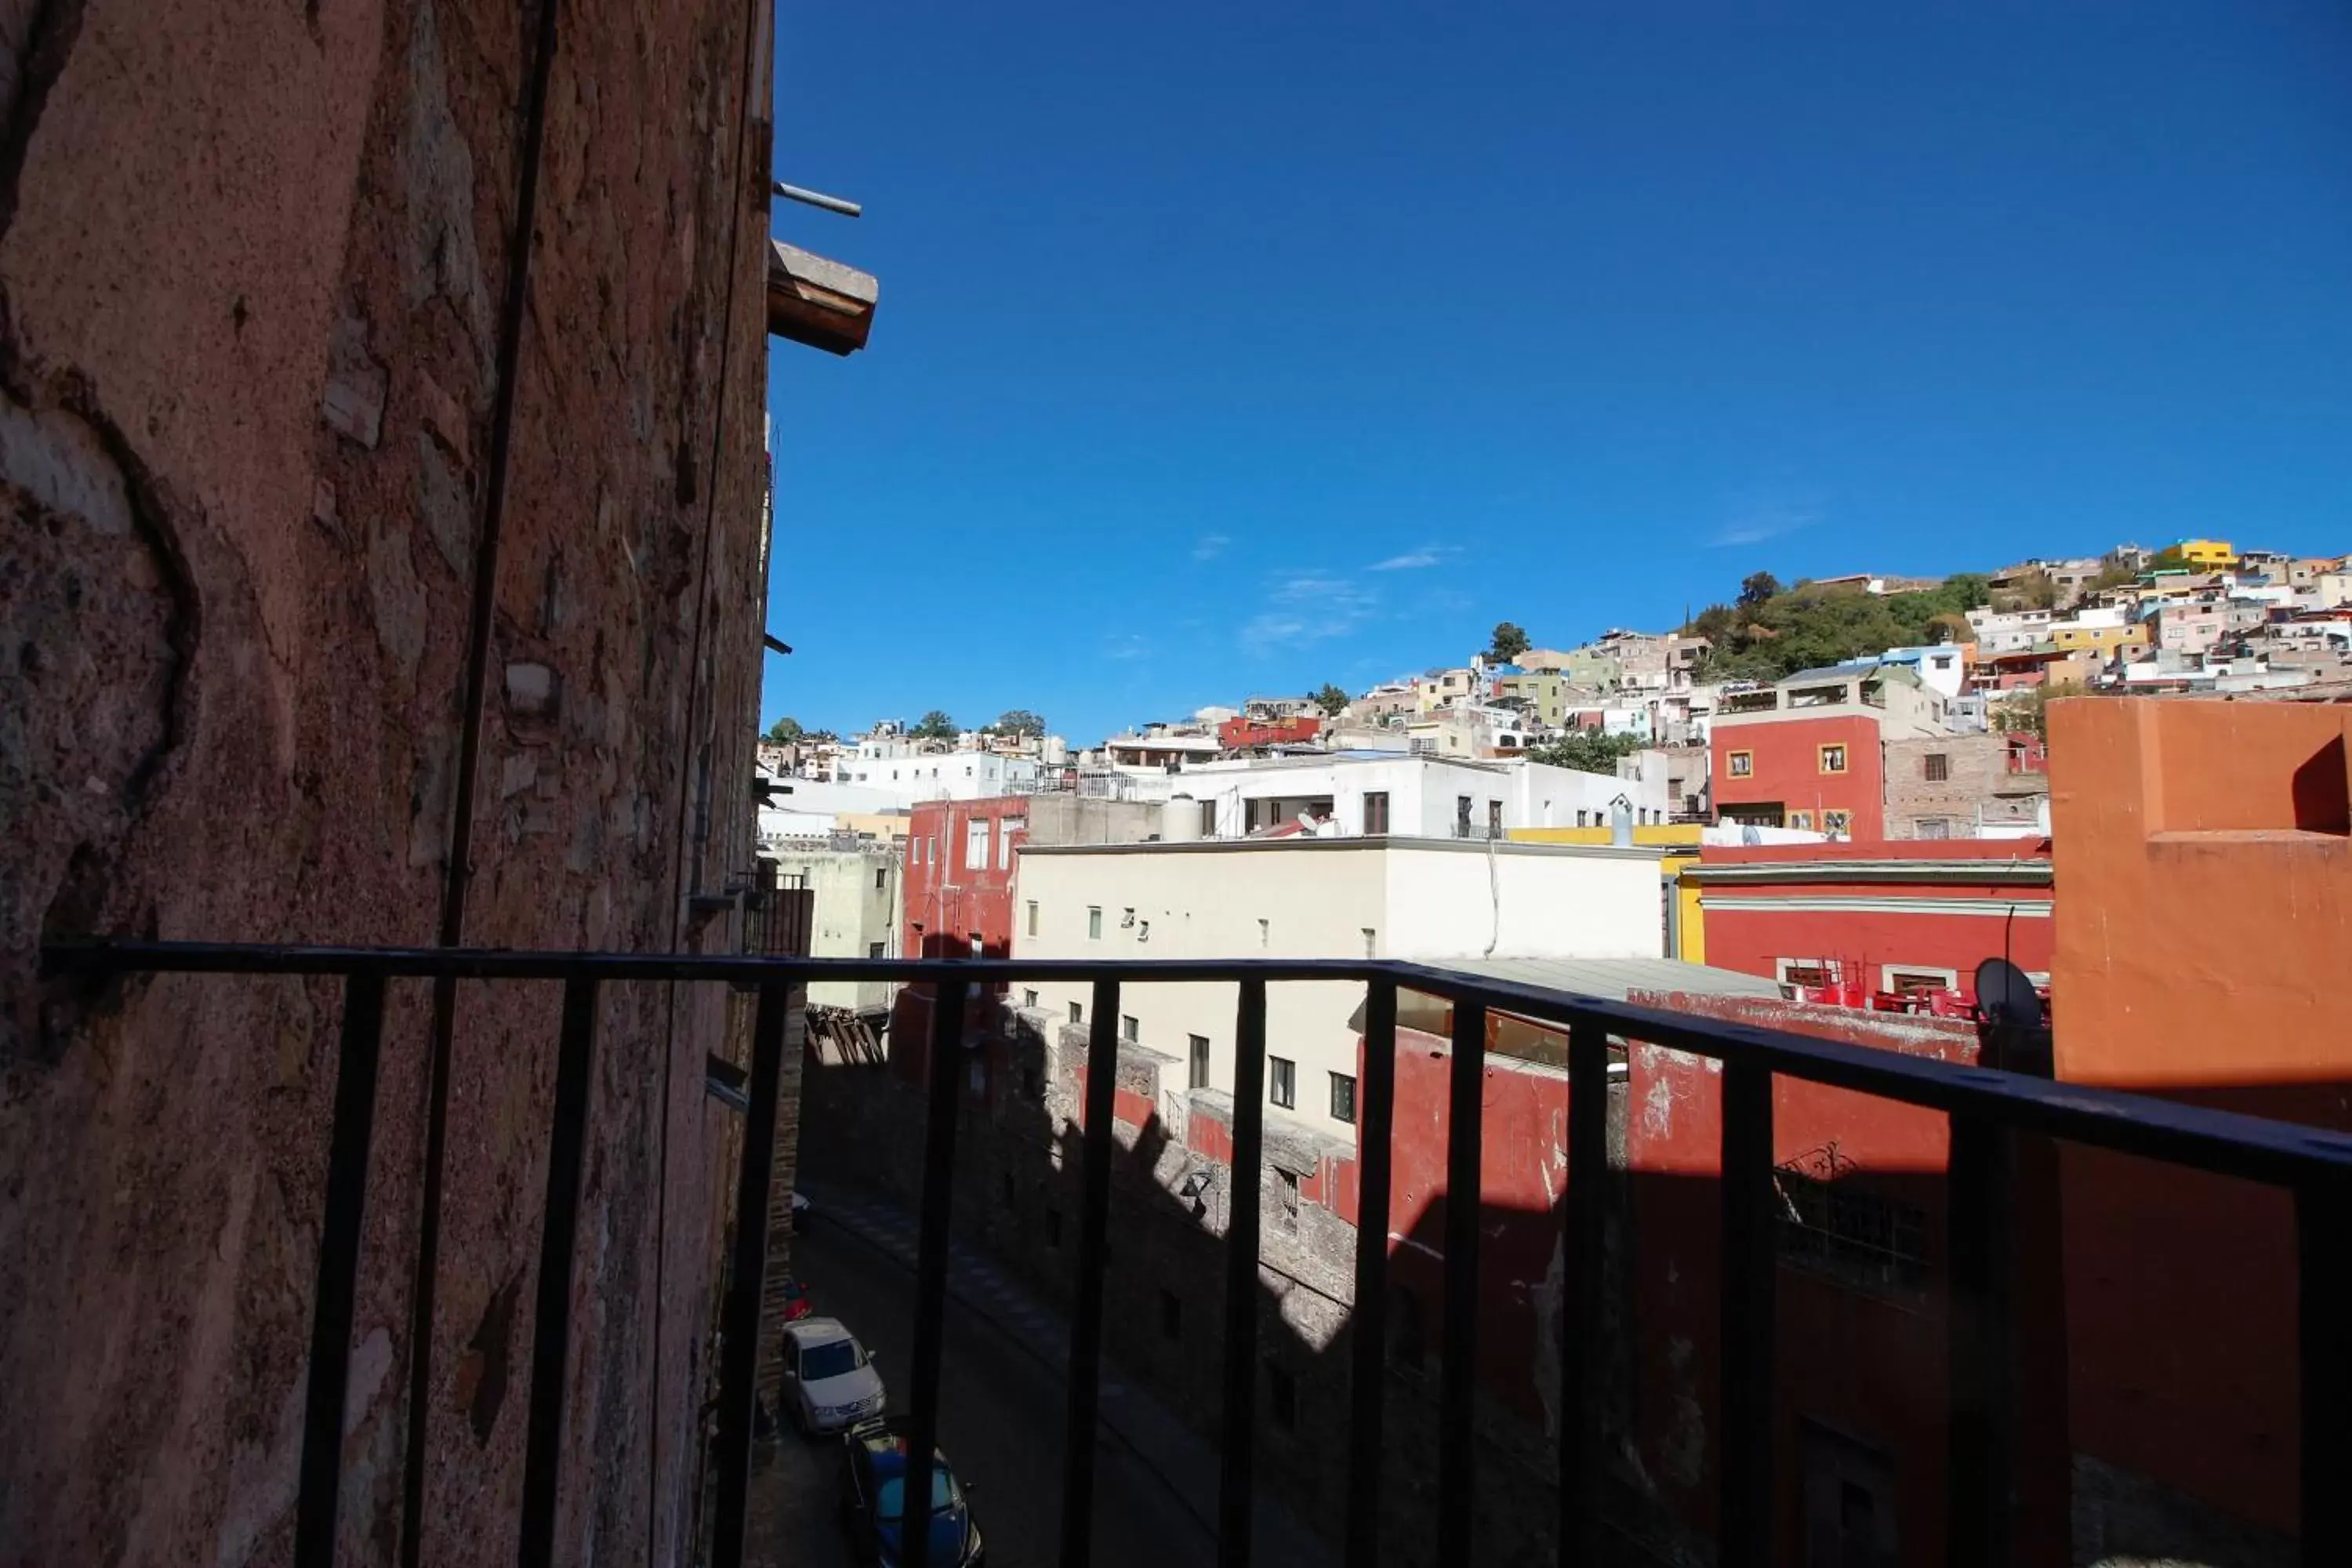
<point x="1247" y="733"/>
<point x="958" y="876"/>
<point x="1909" y="915"/>
<point x="1805" y="753"/>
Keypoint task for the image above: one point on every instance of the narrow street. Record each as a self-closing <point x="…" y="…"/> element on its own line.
<point x="999" y="1426"/>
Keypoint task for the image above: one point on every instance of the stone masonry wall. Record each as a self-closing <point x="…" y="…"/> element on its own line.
<point x="255" y="265"/>
<point x="1976" y="776"/>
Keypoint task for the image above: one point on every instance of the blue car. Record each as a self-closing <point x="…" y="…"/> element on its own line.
<point x="873" y="1498"/>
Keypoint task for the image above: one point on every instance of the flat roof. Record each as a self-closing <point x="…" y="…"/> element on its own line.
<point x="1300" y="843"/>
<point x="1612" y="978"/>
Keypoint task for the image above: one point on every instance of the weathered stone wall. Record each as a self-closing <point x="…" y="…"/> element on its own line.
<point x="1977" y="780"/>
<point x="255" y="264"/>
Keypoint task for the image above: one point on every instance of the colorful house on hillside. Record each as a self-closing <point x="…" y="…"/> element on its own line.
<point x="1805" y="753"/>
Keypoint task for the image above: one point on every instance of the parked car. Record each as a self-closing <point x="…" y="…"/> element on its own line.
<point x="872" y="1498"/>
<point x="829" y="1380"/>
<point x="797" y="1304"/>
<point x="801" y="1212"/>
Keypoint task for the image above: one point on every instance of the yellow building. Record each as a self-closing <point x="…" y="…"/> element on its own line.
<point x="1545" y="692"/>
<point x="1685" y="935"/>
<point x="2101" y="642"/>
<point x="2206" y="554"/>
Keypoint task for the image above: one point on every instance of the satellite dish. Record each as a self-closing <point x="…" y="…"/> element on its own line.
<point x="2006" y="997"/>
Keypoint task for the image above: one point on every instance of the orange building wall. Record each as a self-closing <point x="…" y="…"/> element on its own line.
<point x="2204" y="925"/>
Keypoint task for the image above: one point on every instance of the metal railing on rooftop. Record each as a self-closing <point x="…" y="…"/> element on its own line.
<point x="1985" y="1107"/>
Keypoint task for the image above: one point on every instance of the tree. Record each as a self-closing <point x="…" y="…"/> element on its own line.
<point x="1510" y="641"/>
<point x="1586" y="751"/>
<point x="935" y="726"/>
<point x="1755" y="588"/>
<point x="1019" y="721"/>
<point x="1331" y="698"/>
<point x="783" y="731"/>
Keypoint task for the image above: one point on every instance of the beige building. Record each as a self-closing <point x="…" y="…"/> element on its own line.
<point x="855" y="914"/>
<point x="1312" y="898"/>
<point x="1964" y="786"/>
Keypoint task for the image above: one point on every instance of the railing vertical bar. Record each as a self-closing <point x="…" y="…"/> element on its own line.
<point x="1086" y="1320"/>
<point x="931" y="1259"/>
<point x="1581" y="1445"/>
<point x="334" y="1301"/>
<point x="1457" y="1393"/>
<point x="1368" y="1376"/>
<point x="1978" y="1366"/>
<point x="567" y="1148"/>
<point x="2323" y="1211"/>
<point x="1744" y="1535"/>
<point x="1235" y="1496"/>
<point x="738" y="1365"/>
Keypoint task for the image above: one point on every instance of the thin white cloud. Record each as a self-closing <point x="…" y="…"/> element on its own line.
<point x="1129" y="645"/>
<point x="1411" y="560"/>
<point x="1309" y="607"/>
<point x="1209" y="546"/>
<point x="1760" y="523"/>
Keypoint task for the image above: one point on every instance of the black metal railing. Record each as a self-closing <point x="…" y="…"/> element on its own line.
<point x="1986" y="1109"/>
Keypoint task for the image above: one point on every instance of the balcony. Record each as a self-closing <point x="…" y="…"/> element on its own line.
<point x="1769" y="1215"/>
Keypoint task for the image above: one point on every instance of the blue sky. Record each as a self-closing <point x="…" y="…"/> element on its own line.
<point x="1229" y="349"/>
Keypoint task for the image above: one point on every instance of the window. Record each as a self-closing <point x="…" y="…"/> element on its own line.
<point x="1199" y="1077"/>
<point x="1032" y="917"/>
<point x="1282" y="1398"/>
<point x="1376" y="812"/>
<point x="975" y="846"/>
<point x="1849" y="1502"/>
<point x="1077" y="1013"/>
<point x="1461" y="816"/>
<point x="1371" y="943"/>
<point x="1832" y="759"/>
<point x="1806" y="972"/>
<point x="1028" y="998"/>
<point x="1208" y="820"/>
<point x="1739" y="764"/>
<point x="1286" y="1186"/>
<point x="881" y="877"/>
<point x="1094" y="922"/>
<point x="1282" y="1082"/>
<point x="1904" y="979"/>
<point x="1343" y="1096"/>
<point x="874" y="948"/>
<point x="978" y="947"/>
<point x="1264" y="932"/>
<point x="1171" y="1315"/>
<point x="1130" y="1028"/>
<point x="1584" y="819"/>
<point x="1938" y="766"/>
<point x="1932" y="827"/>
<point x="1800" y="819"/>
<point x="1832" y="1223"/>
<point x="1493" y="819"/>
<point x="1836" y="823"/>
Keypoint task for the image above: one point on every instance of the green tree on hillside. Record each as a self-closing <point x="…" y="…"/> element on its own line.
<point x="1510" y="641"/>
<point x="1331" y="698"/>
<point x="1019" y="721"/>
<point x="1757" y="589"/>
<point x="783" y="731"/>
<point x="1586" y="751"/>
<point x="935" y="725"/>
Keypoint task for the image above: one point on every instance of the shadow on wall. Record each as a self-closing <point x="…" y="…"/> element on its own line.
<point x="1862" y="1327"/>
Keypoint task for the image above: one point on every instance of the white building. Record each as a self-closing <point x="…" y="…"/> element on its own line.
<point x="2009" y="631"/>
<point x="937" y="776"/>
<point x="855" y="913"/>
<point x="1360" y="794"/>
<point x="1312" y="898"/>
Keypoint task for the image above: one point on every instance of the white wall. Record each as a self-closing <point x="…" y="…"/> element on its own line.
<point x="1317" y="899"/>
<point x="856" y="905"/>
<point x="1423" y="792"/>
<point x="952" y="776"/>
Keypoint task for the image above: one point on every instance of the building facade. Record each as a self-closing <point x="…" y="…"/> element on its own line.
<point x="1313" y="898"/>
<point x="1806" y="753"/>
<point x="1361" y="794"/>
<point x="960" y="855"/>
<point x="856" y="898"/>
<point x="1967" y="786"/>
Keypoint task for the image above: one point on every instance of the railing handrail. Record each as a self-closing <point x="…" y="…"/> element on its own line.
<point x="2224" y="1141"/>
<point x="1985" y="1106"/>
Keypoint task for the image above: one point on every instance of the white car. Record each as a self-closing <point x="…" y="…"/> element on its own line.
<point x="830" y="1383"/>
